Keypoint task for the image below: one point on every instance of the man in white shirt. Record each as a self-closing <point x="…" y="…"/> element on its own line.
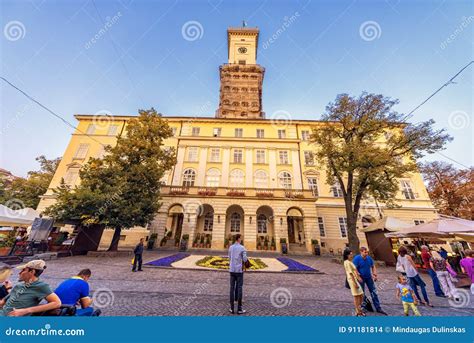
<point x="237" y="257"/>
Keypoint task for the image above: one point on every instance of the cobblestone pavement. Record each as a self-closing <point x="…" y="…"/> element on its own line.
<point x="157" y="291"/>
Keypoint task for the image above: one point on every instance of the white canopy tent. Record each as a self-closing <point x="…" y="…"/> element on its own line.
<point x="441" y="227"/>
<point x="386" y="223"/>
<point x="23" y="217"/>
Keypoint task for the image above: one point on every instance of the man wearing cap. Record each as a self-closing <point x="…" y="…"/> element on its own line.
<point x="25" y="297"/>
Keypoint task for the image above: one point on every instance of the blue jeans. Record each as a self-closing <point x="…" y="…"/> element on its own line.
<point x="436" y="285"/>
<point x="236" y="285"/>
<point x="84" y="312"/>
<point x="373" y="292"/>
<point x="414" y="283"/>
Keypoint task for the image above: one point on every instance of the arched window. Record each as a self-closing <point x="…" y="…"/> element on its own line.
<point x="261" y="179"/>
<point x="208" y="221"/>
<point x="237" y="178"/>
<point x="262" y="223"/>
<point x="189" y="176"/>
<point x="285" y="180"/>
<point x="213" y="177"/>
<point x="235" y="222"/>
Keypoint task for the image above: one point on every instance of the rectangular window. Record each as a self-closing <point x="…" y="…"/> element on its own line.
<point x="192" y="154"/>
<point x="281" y="134"/>
<point x="260" y="156"/>
<point x="196" y="131"/>
<point x="173" y="131"/>
<point x="216" y="132"/>
<point x="238" y="133"/>
<point x="313" y="185"/>
<point x="305" y="135"/>
<point x="308" y="158"/>
<point x="112" y="130"/>
<point x="90" y="129"/>
<point x="71" y="176"/>
<point x="322" y="231"/>
<point x="407" y="190"/>
<point x="336" y="190"/>
<point x="260" y="133"/>
<point x="283" y="155"/>
<point x="238" y="156"/>
<point x="81" y="151"/>
<point x="215" y="154"/>
<point x="418" y="221"/>
<point x="343" y="226"/>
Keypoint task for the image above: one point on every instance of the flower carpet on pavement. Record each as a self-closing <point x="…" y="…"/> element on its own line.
<point x="167" y="261"/>
<point x="295" y="266"/>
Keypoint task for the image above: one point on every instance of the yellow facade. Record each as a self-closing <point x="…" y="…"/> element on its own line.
<point x="240" y="173"/>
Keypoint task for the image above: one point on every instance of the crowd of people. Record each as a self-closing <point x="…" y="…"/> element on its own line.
<point x="32" y="296"/>
<point x="361" y="271"/>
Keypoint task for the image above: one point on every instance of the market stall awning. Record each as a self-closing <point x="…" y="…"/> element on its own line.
<point x="386" y="223"/>
<point x="22" y="217"/>
<point x="441" y="227"/>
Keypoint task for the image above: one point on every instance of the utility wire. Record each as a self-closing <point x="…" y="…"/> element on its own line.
<point x="118" y="53"/>
<point x="49" y="110"/>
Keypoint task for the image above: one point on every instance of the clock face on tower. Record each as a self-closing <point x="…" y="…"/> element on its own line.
<point x="242" y="50"/>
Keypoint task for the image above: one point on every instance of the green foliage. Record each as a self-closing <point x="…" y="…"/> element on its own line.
<point x="28" y="190"/>
<point x="366" y="147"/>
<point x="314" y="242"/>
<point x="9" y="240"/>
<point x="122" y="189"/>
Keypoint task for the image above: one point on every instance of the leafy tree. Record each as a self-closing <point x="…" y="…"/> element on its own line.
<point x="366" y="147"/>
<point x="28" y="190"/>
<point x="121" y="190"/>
<point x="450" y="189"/>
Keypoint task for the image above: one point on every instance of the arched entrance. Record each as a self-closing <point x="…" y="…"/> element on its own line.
<point x="265" y="228"/>
<point x="175" y="221"/>
<point x="234" y="221"/>
<point x="294" y="218"/>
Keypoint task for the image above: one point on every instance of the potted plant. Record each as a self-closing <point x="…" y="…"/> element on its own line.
<point x="184" y="243"/>
<point x="273" y="245"/>
<point x="259" y="244"/>
<point x="201" y="243"/>
<point x="226" y="243"/>
<point x="151" y="241"/>
<point x="265" y="243"/>
<point x="7" y="243"/>
<point x="284" y="247"/>
<point x="316" y="247"/>
<point x="208" y="241"/>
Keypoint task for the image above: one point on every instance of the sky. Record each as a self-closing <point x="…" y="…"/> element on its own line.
<point x="118" y="56"/>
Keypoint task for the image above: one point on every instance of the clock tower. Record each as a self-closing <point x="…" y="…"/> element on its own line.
<point x="241" y="78"/>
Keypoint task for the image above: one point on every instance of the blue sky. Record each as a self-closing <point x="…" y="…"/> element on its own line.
<point x="409" y="49"/>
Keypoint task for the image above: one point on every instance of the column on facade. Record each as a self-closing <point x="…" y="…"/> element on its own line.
<point x="250" y="231"/>
<point x="189" y="225"/>
<point x="272" y="163"/>
<point x="201" y="173"/>
<point x="218" y="231"/>
<point x="178" y="169"/>
<point x="225" y="166"/>
<point x="249" y="167"/>
<point x="295" y="160"/>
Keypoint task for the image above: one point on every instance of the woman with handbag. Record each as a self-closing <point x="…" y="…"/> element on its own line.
<point x="353" y="280"/>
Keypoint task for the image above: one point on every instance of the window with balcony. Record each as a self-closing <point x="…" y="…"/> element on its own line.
<point x="215" y="155"/>
<point x="281" y="134"/>
<point x="192" y="154"/>
<point x="285" y="180"/>
<point x="237" y="178"/>
<point x="238" y="156"/>
<point x="313" y="185"/>
<point x="189" y="176"/>
<point x="322" y="230"/>
<point x="260" y="133"/>
<point x="260" y="156"/>
<point x="343" y="226"/>
<point x="283" y="157"/>
<point x="261" y="179"/>
<point x="196" y="131"/>
<point x="309" y="158"/>
<point x="213" y="177"/>
<point x="81" y="151"/>
<point x="238" y="133"/>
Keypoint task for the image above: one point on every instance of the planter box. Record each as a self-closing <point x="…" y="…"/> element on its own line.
<point x="5" y="251"/>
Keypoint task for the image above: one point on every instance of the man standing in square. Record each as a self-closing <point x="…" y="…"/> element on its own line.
<point x="237" y="257"/>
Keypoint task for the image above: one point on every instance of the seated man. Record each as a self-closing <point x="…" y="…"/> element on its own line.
<point x="6" y="286"/>
<point x="76" y="291"/>
<point x="25" y="297"/>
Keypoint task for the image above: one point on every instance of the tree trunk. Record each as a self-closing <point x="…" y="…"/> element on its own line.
<point x="354" y="242"/>
<point x="115" y="239"/>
